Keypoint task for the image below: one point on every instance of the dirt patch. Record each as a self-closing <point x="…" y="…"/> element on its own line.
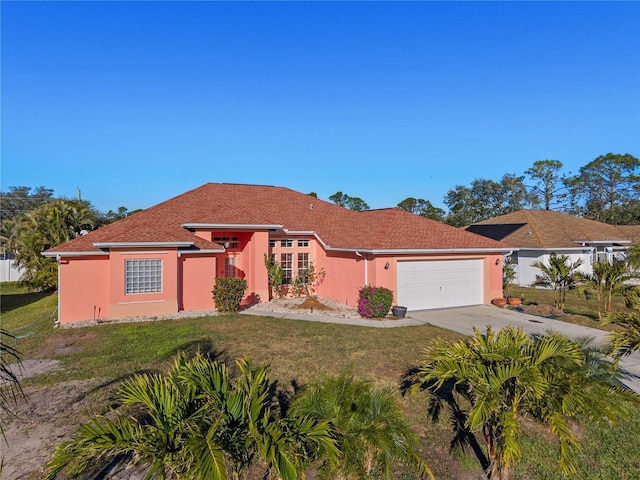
<point x="32" y="368"/>
<point x="311" y="303"/>
<point x="315" y="305"/>
<point x="44" y="417"/>
<point x="543" y="310"/>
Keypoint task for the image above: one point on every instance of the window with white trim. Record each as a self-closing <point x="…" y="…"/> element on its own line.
<point x="230" y="267"/>
<point x="272" y="244"/>
<point x="143" y="275"/>
<point x="286" y="262"/>
<point x="286" y="243"/>
<point x="228" y="242"/>
<point x="303" y="242"/>
<point x="303" y="267"/>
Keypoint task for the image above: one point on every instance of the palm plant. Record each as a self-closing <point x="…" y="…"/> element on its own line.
<point x="50" y="224"/>
<point x="198" y="423"/>
<point x="626" y="340"/>
<point x="633" y="257"/>
<point x="560" y="275"/>
<point x="607" y="280"/>
<point x="10" y="387"/>
<point x="508" y="376"/>
<point x="596" y="281"/>
<point x="371" y="431"/>
<point x="616" y="282"/>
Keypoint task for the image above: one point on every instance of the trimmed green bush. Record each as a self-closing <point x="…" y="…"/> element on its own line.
<point x="228" y="293"/>
<point x="374" y="302"/>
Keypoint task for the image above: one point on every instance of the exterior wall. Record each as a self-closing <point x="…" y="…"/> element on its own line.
<point x="347" y="272"/>
<point x="83" y="292"/>
<point x="197" y="276"/>
<point x="249" y="261"/>
<point x="526" y="273"/>
<point x="165" y="302"/>
<point x="345" y="275"/>
<point x="493" y="277"/>
<point x="294" y="250"/>
<point x="256" y="247"/>
<point x="94" y="287"/>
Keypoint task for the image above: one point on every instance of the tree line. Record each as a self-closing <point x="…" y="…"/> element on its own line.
<point x="606" y="189"/>
<point x="33" y="220"/>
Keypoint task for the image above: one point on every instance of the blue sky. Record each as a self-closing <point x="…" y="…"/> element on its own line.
<point x="134" y="103"/>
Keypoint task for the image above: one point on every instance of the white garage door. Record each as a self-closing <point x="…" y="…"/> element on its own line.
<point x="440" y="283"/>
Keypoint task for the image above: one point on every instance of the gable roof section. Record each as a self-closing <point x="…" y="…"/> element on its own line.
<point x="632" y="232"/>
<point x="251" y="206"/>
<point x="548" y="229"/>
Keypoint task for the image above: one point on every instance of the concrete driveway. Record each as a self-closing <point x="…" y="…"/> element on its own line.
<point x="463" y="320"/>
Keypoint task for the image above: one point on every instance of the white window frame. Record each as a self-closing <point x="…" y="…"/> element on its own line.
<point x="286" y="243"/>
<point x="228" y="242"/>
<point x="286" y="262"/>
<point x="303" y="242"/>
<point x="142" y="275"/>
<point x="230" y="270"/>
<point x="303" y="264"/>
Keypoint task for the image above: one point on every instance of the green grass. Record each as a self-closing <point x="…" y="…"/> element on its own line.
<point x="579" y="309"/>
<point x="298" y="352"/>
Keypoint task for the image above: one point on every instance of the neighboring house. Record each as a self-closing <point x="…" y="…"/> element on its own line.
<point x="165" y="259"/>
<point x="537" y="234"/>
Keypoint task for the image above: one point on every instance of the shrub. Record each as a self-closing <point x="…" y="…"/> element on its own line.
<point x="307" y="281"/>
<point x="374" y="302"/>
<point x="228" y="293"/>
<point x="275" y="274"/>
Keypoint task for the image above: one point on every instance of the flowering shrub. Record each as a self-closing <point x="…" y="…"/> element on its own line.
<point x="374" y="302"/>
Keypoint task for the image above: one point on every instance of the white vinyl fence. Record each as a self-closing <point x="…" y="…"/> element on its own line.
<point x="9" y="273"/>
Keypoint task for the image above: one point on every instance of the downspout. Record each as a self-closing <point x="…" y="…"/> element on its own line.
<point x="366" y="268"/>
<point x="57" y="322"/>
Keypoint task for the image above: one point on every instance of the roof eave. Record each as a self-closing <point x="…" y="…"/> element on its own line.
<point x="230" y="226"/>
<point x="422" y="251"/>
<point x="198" y="252"/>
<point x="47" y="253"/>
<point x="143" y="244"/>
<point x="587" y="242"/>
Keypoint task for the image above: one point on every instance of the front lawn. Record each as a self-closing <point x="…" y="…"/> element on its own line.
<point x="299" y="352"/>
<point x="579" y="309"/>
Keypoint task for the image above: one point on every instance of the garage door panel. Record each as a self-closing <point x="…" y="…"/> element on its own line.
<point x="440" y="283"/>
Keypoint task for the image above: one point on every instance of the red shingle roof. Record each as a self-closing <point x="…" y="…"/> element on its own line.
<point x="337" y="227"/>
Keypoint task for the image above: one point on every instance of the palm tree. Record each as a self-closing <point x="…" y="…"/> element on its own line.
<point x="560" y="274"/>
<point x="508" y="376"/>
<point x="198" y="423"/>
<point x="616" y="282"/>
<point x="50" y="224"/>
<point x="596" y="281"/>
<point x="625" y="341"/>
<point x="371" y="431"/>
<point x="607" y="279"/>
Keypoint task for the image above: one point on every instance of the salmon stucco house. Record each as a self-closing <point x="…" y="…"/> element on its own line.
<point x="164" y="259"/>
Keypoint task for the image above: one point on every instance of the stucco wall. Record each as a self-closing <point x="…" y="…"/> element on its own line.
<point x="162" y="303"/>
<point x="347" y="273"/>
<point x="83" y="292"/>
<point x="197" y="277"/>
